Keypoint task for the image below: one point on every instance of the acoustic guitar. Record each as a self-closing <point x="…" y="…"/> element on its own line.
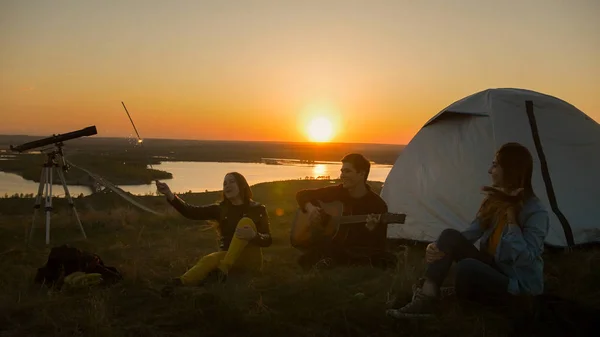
<point x="333" y="225"/>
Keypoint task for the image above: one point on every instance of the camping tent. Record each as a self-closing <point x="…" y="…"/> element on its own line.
<point x="436" y="179"/>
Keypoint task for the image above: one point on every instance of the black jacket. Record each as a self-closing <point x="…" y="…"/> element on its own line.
<point x="228" y="216"/>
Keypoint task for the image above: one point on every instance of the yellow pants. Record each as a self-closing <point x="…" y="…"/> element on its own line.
<point x="240" y="256"/>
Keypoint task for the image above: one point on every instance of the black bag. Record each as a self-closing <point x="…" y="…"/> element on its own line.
<point x="65" y="260"/>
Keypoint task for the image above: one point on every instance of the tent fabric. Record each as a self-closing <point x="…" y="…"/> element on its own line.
<point x="437" y="178"/>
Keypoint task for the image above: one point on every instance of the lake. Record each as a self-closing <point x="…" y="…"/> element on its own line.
<point x="200" y="176"/>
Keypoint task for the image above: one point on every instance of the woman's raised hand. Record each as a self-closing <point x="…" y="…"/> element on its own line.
<point x="163" y="188"/>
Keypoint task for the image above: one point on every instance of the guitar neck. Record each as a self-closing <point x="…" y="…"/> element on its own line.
<point x="350" y="219"/>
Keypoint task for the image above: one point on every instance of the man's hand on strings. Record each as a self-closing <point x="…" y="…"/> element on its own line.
<point x="163" y="188"/>
<point x="372" y="221"/>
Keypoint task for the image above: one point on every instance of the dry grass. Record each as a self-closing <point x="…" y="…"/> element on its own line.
<point x="282" y="301"/>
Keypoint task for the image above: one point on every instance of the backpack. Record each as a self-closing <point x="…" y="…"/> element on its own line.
<point x="65" y="260"/>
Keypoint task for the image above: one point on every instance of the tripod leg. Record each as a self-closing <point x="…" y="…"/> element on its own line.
<point x="38" y="202"/>
<point x="71" y="203"/>
<point x="48" y="203"/>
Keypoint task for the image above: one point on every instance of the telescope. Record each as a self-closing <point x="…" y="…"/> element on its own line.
<point x="55" y="139"/>
<point x="55" y="162"/>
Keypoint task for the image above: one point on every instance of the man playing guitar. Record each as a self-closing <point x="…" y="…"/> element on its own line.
<point x="360" y="244"/>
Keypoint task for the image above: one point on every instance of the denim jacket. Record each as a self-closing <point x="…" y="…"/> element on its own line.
<point x="519" y="252"/>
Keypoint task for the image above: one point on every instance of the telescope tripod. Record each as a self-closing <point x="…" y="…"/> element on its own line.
<point x="45" y="188"/>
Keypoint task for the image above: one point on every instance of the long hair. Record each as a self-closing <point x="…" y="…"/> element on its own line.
<point x="517" y="170"/>
<point x="244" y="188"/>
<point x="245" y="194"/>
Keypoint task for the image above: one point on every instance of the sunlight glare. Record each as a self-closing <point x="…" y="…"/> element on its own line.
<point x="319" y="170"/>
<point x="320" y="129"/>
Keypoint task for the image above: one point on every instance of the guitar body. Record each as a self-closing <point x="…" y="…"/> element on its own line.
<point x="305" y="235"/>
<point x="333" y="227"/>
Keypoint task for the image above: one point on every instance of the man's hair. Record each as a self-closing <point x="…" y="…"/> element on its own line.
<point x="359" y="162"/>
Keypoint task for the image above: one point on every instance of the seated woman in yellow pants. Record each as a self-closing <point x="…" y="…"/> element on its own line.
<point x="243" y="227"/>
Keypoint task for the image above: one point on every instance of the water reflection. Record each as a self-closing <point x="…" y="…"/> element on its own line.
<point x="11" y="183"/>
<point x="201" y="177"/>
<point x="319" y="170"/>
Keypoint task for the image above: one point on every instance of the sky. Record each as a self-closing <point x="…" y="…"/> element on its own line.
<point x="262" y="70"/>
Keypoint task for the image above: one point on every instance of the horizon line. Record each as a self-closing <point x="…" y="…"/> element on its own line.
<point x="213" y="140"/>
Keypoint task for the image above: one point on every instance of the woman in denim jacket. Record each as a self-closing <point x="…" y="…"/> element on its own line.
<point x="512" y="224"/>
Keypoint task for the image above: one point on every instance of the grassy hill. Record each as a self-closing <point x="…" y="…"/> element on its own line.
<point x="150" y="249"/>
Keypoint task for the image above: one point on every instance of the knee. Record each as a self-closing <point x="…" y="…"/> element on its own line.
<point x="449" y="235"/>
<point x="246" y="222"/>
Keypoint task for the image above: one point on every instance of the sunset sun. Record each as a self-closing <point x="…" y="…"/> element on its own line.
<point x="320" y="129"/>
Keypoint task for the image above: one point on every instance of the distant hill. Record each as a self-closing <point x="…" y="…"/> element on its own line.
<point x="224" y="151"/>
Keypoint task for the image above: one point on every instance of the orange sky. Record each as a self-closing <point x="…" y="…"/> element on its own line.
<point x="253" y="70"/>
